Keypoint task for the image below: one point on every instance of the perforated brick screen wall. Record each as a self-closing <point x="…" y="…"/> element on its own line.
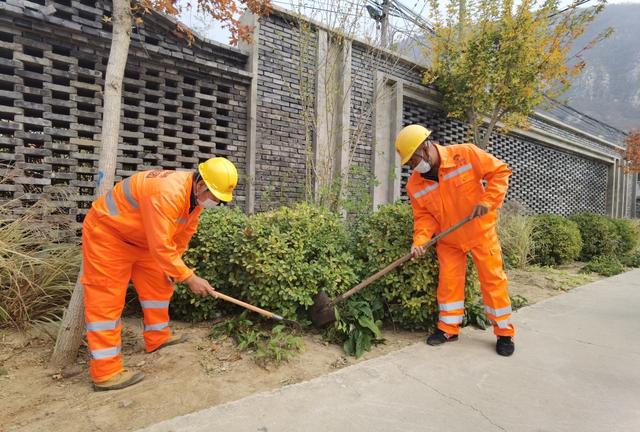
<point x="181" y="105"/>
<point x="544" y="180"/>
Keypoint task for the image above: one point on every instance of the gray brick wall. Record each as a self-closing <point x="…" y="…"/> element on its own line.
<point x="184" y="104"/>
<point x="544" y="180"/>
<point x="286" y="88"/>
<point x="181" y="105"/>
<point x="365" y="62"/>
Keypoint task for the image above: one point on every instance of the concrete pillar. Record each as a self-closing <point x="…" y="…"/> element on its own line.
<point x="252" y="108"/>
<point x="387" y="123"/>
<point x="332" y="111"/>
<point x="634" y="195"/>
<point x="611" y="189"/>
<point x="620" y="201"/>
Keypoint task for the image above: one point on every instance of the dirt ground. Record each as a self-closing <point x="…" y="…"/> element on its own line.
<point x="183" y="378"/>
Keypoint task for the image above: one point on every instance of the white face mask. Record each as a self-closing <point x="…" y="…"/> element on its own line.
<point x="208" y="203"/>
<point x="423" y="167"/>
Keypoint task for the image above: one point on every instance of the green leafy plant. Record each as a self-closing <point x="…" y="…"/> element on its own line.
<point x="628" y="234"/>
<point x="556" y="240"/>
<point x="407" y="296"/>
<point x="284" y="257"/>
<point x="599" y="235"/>
<point x="209" y="254"/>
<point x="273" y="346"/>
<point x="518" y="301"/>
<point x="605" y="265"/>
<point x="631" y="260"/>
<point x="355" y="327"/>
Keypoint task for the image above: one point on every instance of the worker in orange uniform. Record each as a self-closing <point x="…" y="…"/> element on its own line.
<point x="138" y="231"/>
<point x="444" y="188"/>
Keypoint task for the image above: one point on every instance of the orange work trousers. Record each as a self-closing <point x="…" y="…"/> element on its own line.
<point x="487" y="258"/>
<point x="108" y="264"/>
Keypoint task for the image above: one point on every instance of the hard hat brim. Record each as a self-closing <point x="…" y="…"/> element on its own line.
<point x="226" y="197"/>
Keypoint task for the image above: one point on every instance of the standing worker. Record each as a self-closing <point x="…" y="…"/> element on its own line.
<point x="138" y="231"/>
<point x="444" y="188"/>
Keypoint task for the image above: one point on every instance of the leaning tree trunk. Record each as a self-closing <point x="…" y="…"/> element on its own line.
<point x="71" y="329"/>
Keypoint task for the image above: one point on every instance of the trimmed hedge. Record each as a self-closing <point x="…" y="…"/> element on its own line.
<point x="208" y="254"/>
<point x="605" y="265"/>
<point x="556" y="240"/>
<point x="628" y="235"/>
<point x="599" y="235"/>
<point x="284" y="257"/>
<point x="408" y="294"/>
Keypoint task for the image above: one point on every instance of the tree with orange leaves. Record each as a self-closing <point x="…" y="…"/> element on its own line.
<point x="225" y="11"/>
<point x="631" y="154"/>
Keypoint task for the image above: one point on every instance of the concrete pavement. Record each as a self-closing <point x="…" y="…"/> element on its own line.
<point x="576" y="368"/>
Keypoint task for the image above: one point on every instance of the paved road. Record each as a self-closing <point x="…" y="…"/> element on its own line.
<point x="576" y="368"/>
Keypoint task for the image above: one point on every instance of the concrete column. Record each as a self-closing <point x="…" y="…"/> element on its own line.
<point x="343" y="118"/>
<point x="620" y="201"/>
<point x="611" y="189"/>
<point x="321" y="149"/>
<point x="333" y="112"/>
<point x="395" y="170"/>
<point x="388" y="121"/>
<point x="252" y="108"/>
<point x="634" y="195"/>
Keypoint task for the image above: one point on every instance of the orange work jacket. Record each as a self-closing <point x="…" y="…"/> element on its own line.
<point x="151" y="210"/>
<point x="439" y="205"/>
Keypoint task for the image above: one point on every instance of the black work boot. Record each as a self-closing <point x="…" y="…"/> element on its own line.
<point x="439" y="337"/>
<point x="505" y="346"/>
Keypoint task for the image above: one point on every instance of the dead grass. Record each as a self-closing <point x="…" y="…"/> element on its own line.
<point x="38" y="264"/>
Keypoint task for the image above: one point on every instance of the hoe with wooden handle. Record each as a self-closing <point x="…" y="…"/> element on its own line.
<point x="264" y="313"/>
<point x="323" y="312"/>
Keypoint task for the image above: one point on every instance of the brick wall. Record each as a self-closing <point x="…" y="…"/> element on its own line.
<point x="544" y="180"/>
<point x="286" y="88"/>
<point x="184" y="104"/>
<point x="181" y="105"/>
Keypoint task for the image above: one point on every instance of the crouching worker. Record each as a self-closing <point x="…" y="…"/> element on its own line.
<point x="138" y="232"/>
<point x="444" y="188"/>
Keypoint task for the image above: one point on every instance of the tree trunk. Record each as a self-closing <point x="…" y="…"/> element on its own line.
<point x="495" y="117"/>
<point x="72" y="326"/>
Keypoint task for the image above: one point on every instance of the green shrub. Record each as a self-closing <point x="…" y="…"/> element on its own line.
<point x="409" y="292"/>
<point x="209" y="255"/>
<point x="605" y="265"/>
<point x="599" y="235"/>
<point x="284" y="257"/>
<point x="515" y="231"/>
<point x="628" y="236"/>
<point x="556" y="240"/>
<point x="631" y="260"/>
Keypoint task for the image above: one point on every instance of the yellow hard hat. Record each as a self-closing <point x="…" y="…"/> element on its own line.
<point x="409" y="139"/>
<point x="221" y="177"/>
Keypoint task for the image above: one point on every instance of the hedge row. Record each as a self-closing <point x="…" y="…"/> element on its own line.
<point x="280" y="259"/>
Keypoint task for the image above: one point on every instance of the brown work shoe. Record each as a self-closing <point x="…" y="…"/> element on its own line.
<point x="123" y="379"/>
<point x="173" y="340"/>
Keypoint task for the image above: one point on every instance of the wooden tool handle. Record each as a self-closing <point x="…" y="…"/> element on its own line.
<point x="247" y="306"/>
<point x="397" y="263"/>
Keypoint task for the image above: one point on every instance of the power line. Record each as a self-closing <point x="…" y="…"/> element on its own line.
<point x="585" y="118"/>
<point x="572" y="6"/>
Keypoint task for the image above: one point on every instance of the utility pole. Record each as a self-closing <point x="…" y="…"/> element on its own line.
<point x="384" y="24"/>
